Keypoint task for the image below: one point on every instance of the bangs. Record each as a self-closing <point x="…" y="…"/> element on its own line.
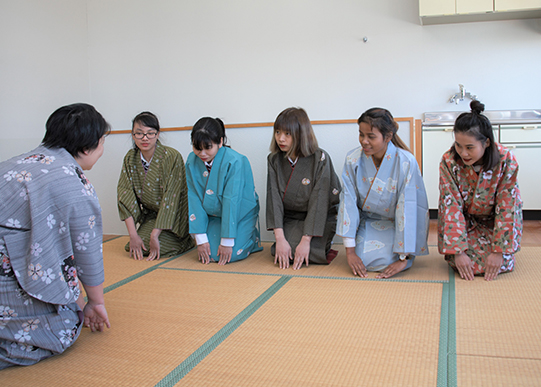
<point x="201" y="139"/>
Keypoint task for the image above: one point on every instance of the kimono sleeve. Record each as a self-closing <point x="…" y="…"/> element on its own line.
<point x="126" y="199"/>
<point x="320" y="197"/>
<point x="232" y="196"/>
<point x="508" y="207"/>
<point x="348" y="211"/>
<point x="275" y="205"/>
<point x="85" y="228"/>
<point x="198" y="223"/>
<point x="173" y="212"/>
<point x="411" y="226"/>
<point x="452" y="234"/>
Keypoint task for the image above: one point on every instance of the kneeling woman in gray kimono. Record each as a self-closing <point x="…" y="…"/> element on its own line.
<point x="50" y="239"/>
<point x="302" y="193"/>
<point x="383" y="216"/>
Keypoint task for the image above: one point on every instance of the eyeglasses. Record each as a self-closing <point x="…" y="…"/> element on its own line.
<point x="140" y="135"/>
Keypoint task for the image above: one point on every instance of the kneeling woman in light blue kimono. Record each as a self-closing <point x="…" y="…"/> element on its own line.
<point x="223" y="204"/>
<point x="383" y="215"/>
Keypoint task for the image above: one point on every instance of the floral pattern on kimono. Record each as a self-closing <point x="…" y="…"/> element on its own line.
<point x="480" y="213"/>
<point x="50" y="238"/>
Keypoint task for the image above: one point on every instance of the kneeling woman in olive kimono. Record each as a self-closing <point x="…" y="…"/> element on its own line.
<point x="302" y="193"/>
<point x="224" y="206"/>
<point x="383" y="216"/>
<point x="50" y="239"/>
<point x="152" y="193"/>
<point x="480" y="209"/>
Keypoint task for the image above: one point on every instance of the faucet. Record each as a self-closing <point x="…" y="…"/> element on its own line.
<point x="457" y="97"/>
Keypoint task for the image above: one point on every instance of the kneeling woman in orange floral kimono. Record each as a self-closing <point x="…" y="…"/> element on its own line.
<point x="480" y="209"/>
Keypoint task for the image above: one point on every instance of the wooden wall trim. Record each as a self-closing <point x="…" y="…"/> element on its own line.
<point x="415" y="130"/>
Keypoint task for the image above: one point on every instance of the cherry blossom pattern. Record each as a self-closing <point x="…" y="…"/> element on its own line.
<point x="48" y="276"/>
<point x="34" y="271"/>
<point x="6" y="313"/>
<point x="67" y="335"/>
<point x="31" y="324"/>
<point x="21" y="336"/>
<point x="51" y="221"/>
<point x="82" y="238"/>
<point x="10" y="175"/>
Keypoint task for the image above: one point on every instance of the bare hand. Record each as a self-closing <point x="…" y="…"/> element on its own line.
<point x="302" y="253"/>
<point x="464" y="266"/>
<point x="136" y="247"/>
<point x="493" y="265"/>
<point x="282" y="254"/>
<point x="154" y="246"/>
<point x="392" y="269"/>
<point x="356" y="263"/>
<point x="203" y="252"/>
<point x="224" y="253"/>
<point x="96" y="317"/>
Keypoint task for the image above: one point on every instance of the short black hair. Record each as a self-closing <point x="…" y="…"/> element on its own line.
<point x="76" y="128"/>
<point x="208" y="131"/>
<point x="478" y="125"/>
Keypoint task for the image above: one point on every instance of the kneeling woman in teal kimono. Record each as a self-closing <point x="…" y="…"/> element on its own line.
<point x="223" y="203"/>
<point x="51" y="240"/>
<point x="383" y="215"/>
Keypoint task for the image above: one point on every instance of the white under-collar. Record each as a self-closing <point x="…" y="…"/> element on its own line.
<point x="146" y="164"/>
<point x="293" y="162"/>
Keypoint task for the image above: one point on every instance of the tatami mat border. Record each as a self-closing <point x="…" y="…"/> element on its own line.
<point x="352" y="278"/>
<point x="447" y="349"/>
<point x="447" y="358"/>
<point x="199" y="354"/>
<point x="114" y="238"/>
<point x="141" y="273"/>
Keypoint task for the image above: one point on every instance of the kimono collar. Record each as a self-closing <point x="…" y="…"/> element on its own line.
<point x="219" y="156"/>
<point x="390" y="153"/>
<point x="146" y="164"/>
<point x="291" y="162"/>
<point x="209" y="165"/>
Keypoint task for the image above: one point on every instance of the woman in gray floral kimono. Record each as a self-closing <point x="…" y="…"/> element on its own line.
<point x="50" y="238"/>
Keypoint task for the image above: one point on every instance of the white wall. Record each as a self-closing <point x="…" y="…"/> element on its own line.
<point x="245" y="61"/>
<point x="43" y="65"/>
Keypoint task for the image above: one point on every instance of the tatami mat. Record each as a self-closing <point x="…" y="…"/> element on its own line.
<point x="502" y="317"/>
<point x="430" y="267"/>
<point x="157" y="320"/>
<point x="322" y="332"/>
<point x="118" y="264"/>
<point x="249" y="323"/>
<point x="498" y="372"/>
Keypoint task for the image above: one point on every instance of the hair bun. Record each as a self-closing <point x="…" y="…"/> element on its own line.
<point x="477" y="107"/>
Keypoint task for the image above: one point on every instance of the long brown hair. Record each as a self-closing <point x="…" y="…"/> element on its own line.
<point x="296" y="122"/>
<point x="383" y="120"/>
